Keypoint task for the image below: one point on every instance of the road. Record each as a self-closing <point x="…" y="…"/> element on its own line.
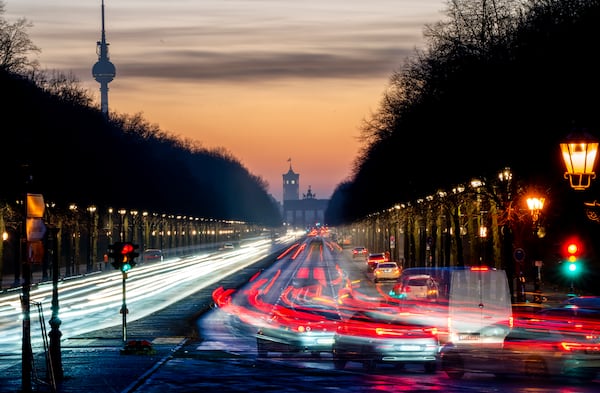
<point x="225" y="357"/>
<point x="220" y="353"/>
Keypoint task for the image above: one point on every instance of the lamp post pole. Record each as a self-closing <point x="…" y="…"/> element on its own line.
<point x="122" y="213"/>
<point x="509" y="263"/>
<point x="91" y="230"/>
<point x="535" y="205"/>
<point x="55" y="321"/>
<point x="579" y="153"/>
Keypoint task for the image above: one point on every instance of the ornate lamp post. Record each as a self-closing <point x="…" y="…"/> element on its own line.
<point x="135" y="226"/>
<point x="122" y="213"/>
<point x="579" y="152"/>
<point x="145" y="232"/>
<point x="91" y="236"/>
<point x="74" y="259"/>
<point x="535" y="206"/>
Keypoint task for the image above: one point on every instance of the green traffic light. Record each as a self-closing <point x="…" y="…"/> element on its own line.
<point x="125" y="267"/>
<point x="573" y="269"/>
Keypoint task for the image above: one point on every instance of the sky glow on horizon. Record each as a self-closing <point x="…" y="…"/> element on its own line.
<point x="265" y="80"/>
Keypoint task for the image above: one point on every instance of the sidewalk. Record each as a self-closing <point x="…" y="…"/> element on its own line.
<point x="38" y="275"/>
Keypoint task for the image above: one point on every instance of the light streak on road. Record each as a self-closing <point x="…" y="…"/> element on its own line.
<point x="93" y="301"/>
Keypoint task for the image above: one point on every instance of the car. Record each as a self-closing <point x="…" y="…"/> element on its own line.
<point x="297" y="331"/>
<point x="465" y="303"/>
<point x="374" y="258"/>
<point x="359" y="252"/>
<point x="589" y="302"/>
<point x="228" y="246"/>
<point x="568" y="318"/>
<point x="373" y="337"/>
<point x="386" y="271"/>
<point x="416" y="287"/>
<point x="535" y="350"/>
<point x="152" y="254"/>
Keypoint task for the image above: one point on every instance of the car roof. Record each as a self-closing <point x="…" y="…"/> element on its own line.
<point x="417" y="277"/>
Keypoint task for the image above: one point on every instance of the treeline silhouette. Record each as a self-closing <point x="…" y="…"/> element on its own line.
<point x="55" y="143"/>
<point x="499" y="84"/>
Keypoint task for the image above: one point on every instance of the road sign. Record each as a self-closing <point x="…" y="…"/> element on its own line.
<point x="519" y="255"/>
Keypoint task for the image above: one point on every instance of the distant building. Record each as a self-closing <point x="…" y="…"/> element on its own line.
<point x="300" y="213"/>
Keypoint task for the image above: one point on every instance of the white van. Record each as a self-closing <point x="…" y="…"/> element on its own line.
<point x="470" y="304"/>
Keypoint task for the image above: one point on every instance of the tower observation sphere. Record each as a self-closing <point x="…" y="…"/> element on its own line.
<point x="104" y="71"/>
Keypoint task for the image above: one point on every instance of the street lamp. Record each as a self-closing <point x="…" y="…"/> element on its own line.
<point x="122" y="213"/>
<point x="535" y="206"/>
<point x="74" y="260"/>
<point x="91" y="236"/>
<point x="579" y="152"/>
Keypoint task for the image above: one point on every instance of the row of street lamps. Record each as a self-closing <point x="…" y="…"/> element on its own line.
<point x="424" y="232"/>
<point x="85" y="233"/>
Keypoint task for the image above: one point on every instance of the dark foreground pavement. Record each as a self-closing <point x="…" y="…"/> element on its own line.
<point x="95" y="362"/>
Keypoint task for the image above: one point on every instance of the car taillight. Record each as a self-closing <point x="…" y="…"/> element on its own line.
<point x="579" y="347"/>
<point x="480" y="268"/>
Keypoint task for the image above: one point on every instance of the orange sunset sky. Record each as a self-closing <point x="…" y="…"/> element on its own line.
<point x="266" y="80"/>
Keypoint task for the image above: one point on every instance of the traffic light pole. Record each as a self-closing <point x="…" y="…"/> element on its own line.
<point x="124" y="310"/>
<point x="123" y="256"/>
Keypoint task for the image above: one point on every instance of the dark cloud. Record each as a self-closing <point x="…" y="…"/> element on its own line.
<point x="253" y="66"/>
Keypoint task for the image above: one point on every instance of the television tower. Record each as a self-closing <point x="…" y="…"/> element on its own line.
<point x="103" y="71"/>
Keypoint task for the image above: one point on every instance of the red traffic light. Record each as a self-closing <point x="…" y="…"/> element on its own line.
<point x="123" y="255"/>
<point x="127" y="248"/>
<point x="572" y="250"/>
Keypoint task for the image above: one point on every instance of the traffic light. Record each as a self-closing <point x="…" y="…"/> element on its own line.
<point x="123" y="255"/>
<point x="573" y="251"/>
<point x="129" y="255"/>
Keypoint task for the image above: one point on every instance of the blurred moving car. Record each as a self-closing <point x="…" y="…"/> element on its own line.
<point x="359" y="252"/>
<point x="386" y="271"/>
<point x="568" y="317"/>
<point x="466" y="303"/>
<point x="228" y="246"/>
<point x="372" y="337"/>
<point x="152" y="254"/>
<point x="535" y="350"/>
<point x="374" y="258"/>
<point x="591" y="302"/>
<point x="291" y="331"/>
<point x="417" y="287"/>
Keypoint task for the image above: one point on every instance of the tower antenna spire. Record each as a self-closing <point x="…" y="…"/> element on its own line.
<point x="103" y="71"/>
